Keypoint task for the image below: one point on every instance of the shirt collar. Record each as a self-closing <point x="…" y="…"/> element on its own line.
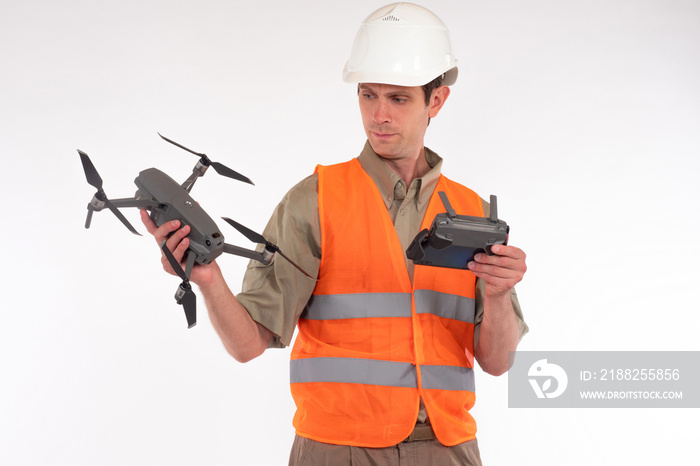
<point x="388" y="182"/>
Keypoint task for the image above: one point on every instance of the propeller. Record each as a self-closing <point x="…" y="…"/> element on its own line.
<point x="220" y="168"/>
<point x="95" y="180"/>
<point x="260" y="239"/>
<point x="184" y="295"/>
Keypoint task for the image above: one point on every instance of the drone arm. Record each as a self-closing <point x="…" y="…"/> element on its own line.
<point x="99" y="201"/>
<point x="263" y="257"/>
<point x="197" y="172"/>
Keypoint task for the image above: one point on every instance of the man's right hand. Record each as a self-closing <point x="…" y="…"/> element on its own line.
<point x="176" y="240"/>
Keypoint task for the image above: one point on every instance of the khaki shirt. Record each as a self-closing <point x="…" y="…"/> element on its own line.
<point x="275" y="295"/>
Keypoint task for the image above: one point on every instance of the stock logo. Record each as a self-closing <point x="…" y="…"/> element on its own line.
<point x="541" y="375"/>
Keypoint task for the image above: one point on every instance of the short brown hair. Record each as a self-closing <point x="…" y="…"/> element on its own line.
<point x="431" y="86"/>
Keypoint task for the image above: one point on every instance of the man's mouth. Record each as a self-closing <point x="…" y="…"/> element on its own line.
<point x="382" y="135"/>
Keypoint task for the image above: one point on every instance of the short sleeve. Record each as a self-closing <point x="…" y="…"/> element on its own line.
<point x="276" y="294"/>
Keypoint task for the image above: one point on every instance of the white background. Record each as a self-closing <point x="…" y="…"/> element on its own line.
<point x="582" y="116"/>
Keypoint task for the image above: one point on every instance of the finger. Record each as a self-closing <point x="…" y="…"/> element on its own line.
<point x="178" y="253"/>
<point x="500" y="277"/>
<point x="499" y="261"/>
<point x="177" y="244"/>
<point x="180" y="249"/>
<point x="501" y="271"/>
<point x="177" y="237"/>
<point x="507" y="271"/>
<point x="508" y="251"/>
<point x="164" y="231"/>
<point x="150" y="225"/>
<point x="508" y="257"/>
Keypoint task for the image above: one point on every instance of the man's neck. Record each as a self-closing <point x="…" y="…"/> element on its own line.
<point x="408" y="169"/>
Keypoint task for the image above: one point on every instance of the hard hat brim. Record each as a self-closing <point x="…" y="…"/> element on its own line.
<point x="398" y="79"/>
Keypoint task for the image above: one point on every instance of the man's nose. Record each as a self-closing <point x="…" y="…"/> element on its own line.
<point x="381" y="113"/>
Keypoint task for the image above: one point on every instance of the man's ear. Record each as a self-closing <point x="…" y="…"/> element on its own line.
<point x="437" y="100"/>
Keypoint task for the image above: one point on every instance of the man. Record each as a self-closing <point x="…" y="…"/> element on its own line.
<point x="382" y="367"/>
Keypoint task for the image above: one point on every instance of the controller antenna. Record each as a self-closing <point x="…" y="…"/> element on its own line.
<point x="494" y="209"/>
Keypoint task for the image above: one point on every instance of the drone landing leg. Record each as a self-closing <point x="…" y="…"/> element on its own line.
<point x="184" y="294"/>
<point x="189" y="264"/>
<point x="88" y="220"/>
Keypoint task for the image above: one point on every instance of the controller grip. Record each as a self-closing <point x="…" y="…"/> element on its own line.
<point x="415" y="251"/>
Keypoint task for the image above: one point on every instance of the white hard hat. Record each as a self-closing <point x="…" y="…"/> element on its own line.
<point x="401" y="44"/>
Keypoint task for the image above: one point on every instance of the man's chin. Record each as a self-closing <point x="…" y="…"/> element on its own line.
<point x="383" y="148"/>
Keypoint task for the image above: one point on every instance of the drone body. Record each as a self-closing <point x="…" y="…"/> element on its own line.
<point x="167" y="200"/>
<point x="175" y="203"/>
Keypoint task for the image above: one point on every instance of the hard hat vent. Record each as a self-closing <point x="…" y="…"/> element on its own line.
<point x="390" y="18"/>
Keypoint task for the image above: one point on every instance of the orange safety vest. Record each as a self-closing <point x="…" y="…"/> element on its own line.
<point x="370" y="343"/>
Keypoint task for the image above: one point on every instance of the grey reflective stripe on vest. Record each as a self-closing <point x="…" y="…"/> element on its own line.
<point x="450" y="306"/>
<point x="367" y="305"/>
<point x="447" y="377"/>
<point x="353" y="370"/>
<point x="358" y="306"/>
<point x="376" y="372"/>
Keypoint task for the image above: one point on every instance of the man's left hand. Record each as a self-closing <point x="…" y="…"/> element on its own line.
<point x="500" y="271"/>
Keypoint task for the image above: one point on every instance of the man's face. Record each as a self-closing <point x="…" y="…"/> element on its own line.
<point x="395" y="118"/>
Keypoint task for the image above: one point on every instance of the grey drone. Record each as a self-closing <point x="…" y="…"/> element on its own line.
<point x="167" y="200"/>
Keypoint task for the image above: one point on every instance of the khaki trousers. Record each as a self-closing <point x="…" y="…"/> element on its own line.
<point x="307" y="452"/>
